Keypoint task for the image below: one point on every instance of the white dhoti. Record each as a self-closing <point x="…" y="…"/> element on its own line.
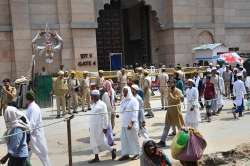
<point x="129" y="141"/>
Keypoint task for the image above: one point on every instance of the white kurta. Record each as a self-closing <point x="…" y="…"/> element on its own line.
<point x="222" y="91"/>
<point x="97" y="123"/>
<point x="129" y="138"/>
<point x="239" y="91"/>
<point x="38" y="141"/>
<point x="192" y="118"/>
<point x="107" y="100"/>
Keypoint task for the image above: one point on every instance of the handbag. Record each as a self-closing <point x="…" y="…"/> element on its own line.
<point x="194" y="149"/>
<point x="179" y="143"/>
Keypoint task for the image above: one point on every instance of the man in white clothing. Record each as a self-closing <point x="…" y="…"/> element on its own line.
<point x="98" y="124"/>
<point x="130" y="127"/>
<point x="192" y="117"/>
<point x="141" y="118"/>
<point x="239" y="92"/>
<point x="37" y="138"/>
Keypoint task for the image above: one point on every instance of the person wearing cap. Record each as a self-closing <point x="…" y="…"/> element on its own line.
<point x="74" y="90"/>
<point x="129" y="108"/>
<point x="217" y="103"/>
<point x="141" y="118"/>
<point x="227" y="77"/>
<point x="60" y="88"/>
<point x="100" y="79"/>
<point x="192" y="117"/>
<point x="147" y="94"/>
<point x="37" y="138"/>
<point x="98" y="124"/>
<point x="173" y="116"/>
<point x="8" y="95"/>
<point x="122" y="80"/>
<point x="199" y="84"/>
<point x="85" y="88"/>
<point x="163" y="87"/>
<point x="67" y="96"/>
<point x="221" y="69"/>
<point x="239" y="91"/>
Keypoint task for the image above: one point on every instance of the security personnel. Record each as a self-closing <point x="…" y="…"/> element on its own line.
<point x="122" y="80"/>
<point x="74" y="89"/>
<point x="60" y="88"/>
<point x="147" y="94"/>
<point x="163" y="87"/>
<point x="85" y="90"/>
<point x="8" y="95"/>
<point x="100" y="79"/>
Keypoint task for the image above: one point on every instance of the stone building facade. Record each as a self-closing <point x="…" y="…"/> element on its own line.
<point x="169" y="32"/>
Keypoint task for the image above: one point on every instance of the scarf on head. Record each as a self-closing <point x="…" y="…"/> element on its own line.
<point x="126" y="100"/>
<point x="108" y="87"/>
<point x="15" y="118"/>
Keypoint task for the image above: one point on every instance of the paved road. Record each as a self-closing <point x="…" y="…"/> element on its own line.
<point x="222" y="134"/>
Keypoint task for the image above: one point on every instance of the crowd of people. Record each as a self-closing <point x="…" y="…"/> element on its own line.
<point x="203" y="91"/>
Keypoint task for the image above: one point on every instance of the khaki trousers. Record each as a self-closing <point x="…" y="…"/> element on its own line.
<point x="60" y="102"/>
<point x="85" y="97"/>
<point x="227" y="89"/>
<point x="164" y="92"/>
<point x="147" y="105"/>
<point x="74" y="100"/>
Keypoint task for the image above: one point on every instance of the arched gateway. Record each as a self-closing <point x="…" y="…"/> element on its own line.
<point x="124" y="27"/>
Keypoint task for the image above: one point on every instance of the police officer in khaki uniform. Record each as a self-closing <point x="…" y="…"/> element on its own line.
<point x="141" y="76"/>
<point x="60" y="88"/>
<point x="8" y="95"/>
<point x="163" y="87"/>
<point x="122" y="80"/>
<point x="147" y="94"/>
<point x="74" y="90"/>
<point x="100" y="79"/>
<point x="85" y="90"/>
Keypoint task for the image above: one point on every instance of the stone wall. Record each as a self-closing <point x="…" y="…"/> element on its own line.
<point x="176" y="27"/>
<point x="7" y="64"/>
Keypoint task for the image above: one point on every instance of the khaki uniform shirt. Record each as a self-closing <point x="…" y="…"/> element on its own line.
<point x="60" y="87"/>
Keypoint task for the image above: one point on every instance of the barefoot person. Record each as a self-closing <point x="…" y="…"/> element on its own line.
<point x="129" y="132"/>
<point x="98" y="124"/>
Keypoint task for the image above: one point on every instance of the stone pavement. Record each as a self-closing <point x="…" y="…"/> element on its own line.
<point x="223" y="134"/>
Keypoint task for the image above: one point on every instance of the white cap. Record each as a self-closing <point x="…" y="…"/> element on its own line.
<point x="214" y="68"/>
<point x="190" y="80"/>
<point x="136" y="87"/>
<point x="60" y="73"/>
<point x="239" y="74"/>
<point x="95" y="93"/>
